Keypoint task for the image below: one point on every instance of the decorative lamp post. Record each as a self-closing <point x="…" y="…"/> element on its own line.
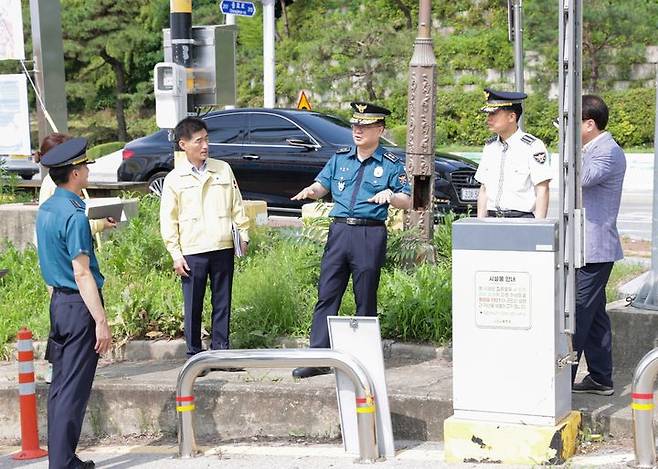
<point x="420" y="126"/>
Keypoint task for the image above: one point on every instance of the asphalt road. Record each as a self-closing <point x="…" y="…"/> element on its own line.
<point x="635" y="213"/>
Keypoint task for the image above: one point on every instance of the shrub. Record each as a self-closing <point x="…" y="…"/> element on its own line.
<point x="274" y="294"/>
<point x="632" y="116"/>
<point x="274" y="289"/>
<point x="416" y="305"/>
<point x="458" y="120"/>
<point x="23" y="297"/>
<point x="104" y="149"/>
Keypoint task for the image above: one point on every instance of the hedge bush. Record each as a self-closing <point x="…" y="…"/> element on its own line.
<point x="460" y="122"/>
<point x="104" y="149"/>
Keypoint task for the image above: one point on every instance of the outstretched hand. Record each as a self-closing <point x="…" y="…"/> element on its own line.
<point x="305" y="193"/>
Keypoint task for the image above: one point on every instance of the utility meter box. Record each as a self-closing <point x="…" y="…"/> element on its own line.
<point x="213" y="64"/>
<point x="170" y="90"/>
<point x="508" y="335"/>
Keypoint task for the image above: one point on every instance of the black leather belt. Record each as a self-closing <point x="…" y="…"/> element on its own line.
<point x="359" y="221"/>
<point x="69" y="291"/>
<point x="65" y="290"/>
<point x="509" y="214"/>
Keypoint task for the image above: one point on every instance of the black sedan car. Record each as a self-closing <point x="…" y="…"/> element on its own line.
<point x="274" y="153"/>
<point x="20" y="165"/>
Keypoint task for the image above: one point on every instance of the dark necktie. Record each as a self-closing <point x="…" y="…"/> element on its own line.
<point x="357" y="186"/>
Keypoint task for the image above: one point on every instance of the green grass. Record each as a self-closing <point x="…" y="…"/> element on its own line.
<point x="274" y="288"/>
<point x="23" y="297"/>
<point x="622" y="272"/>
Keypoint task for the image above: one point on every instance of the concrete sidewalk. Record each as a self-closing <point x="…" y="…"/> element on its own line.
<point x="137" y="397"/>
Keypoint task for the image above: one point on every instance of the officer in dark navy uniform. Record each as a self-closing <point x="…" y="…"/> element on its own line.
<point x="363" y="181"/>
<point x="79" y="331"/>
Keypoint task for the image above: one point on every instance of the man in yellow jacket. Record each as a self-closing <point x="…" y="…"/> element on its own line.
<point x="200" y="203"/>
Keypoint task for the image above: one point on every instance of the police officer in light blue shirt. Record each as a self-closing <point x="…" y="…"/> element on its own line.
<point x="79" y="331"/>
<point x="363" y="181"/>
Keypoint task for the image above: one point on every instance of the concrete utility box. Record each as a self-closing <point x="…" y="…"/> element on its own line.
<point x="508" y="334"/>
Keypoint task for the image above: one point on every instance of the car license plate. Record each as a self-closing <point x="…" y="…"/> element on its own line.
<point x="469" y="194"/>
<point x="19" y="157"/>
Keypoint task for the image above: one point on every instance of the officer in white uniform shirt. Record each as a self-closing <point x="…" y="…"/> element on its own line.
<point x="514" y="172"/>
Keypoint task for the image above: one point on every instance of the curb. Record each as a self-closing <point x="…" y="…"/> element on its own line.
<point x="174" y="349"/>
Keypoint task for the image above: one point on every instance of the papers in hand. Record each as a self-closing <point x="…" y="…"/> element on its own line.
<point x="237" y="240"/>
<point x="105" y="207"/>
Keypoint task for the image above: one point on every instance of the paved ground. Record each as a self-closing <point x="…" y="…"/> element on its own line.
<point x="137" y="397"/>
<point x="410" y="455"/>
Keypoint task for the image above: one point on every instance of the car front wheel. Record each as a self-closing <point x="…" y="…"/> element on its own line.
<point x="156" y="182"/>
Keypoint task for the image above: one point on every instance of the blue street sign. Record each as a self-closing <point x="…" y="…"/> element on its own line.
<point x="230" y="7"/>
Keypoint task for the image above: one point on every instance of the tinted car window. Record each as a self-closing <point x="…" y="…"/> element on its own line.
<point x="332" y="129"/>
<point x="227" y="129"/>
<point x="268" y="129"/>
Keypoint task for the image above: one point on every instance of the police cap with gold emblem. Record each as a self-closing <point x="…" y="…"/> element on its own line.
<point x="366" y="113"/>
<point x="497" y="100"/>
<point x="70" y="152"/>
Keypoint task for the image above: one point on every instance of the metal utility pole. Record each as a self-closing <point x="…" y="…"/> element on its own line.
<point x="571" y="221"/>
<point x="647" y="297"/>
<point x="421" y="125"/>
<point x="180" y="22"/>
<point x="517" y="26"/>
<point x="48" y="51"/>
<point x="268" y="53"/>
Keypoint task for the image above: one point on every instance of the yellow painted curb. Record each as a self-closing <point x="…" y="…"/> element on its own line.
<point x="510" y="443"/>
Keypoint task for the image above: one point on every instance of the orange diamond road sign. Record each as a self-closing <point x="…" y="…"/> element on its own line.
<point x="303" y="102"/>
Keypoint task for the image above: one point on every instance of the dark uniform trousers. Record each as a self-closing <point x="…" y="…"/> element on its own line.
<point x="593" y="332"/>
<point x="359" y="250"/>
<point x="218" y="265"/>
<point x="71" y="351"/>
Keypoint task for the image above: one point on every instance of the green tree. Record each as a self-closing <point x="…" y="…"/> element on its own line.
<point x="614" y="34"/>
<point x="111" y="47"/>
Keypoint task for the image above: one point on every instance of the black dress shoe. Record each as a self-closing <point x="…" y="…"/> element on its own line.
<point x="307" y="372"/>
<point x="85" y="464"/>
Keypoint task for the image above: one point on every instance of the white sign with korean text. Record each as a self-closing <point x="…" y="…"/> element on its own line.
<point x="502" y="300"/>
<point x="11" y="30"/>
<point x="14" y="116"/>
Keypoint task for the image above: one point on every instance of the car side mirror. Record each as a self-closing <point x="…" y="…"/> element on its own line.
<point x="298" y="142"/>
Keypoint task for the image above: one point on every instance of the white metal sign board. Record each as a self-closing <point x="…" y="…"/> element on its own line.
<point x="361" y="338"/>
<point x="11" y="30"/>
<point x="14" y="116"/>
<point x="502" y="299"/>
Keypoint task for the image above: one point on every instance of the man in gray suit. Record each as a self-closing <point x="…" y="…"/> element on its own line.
<point x="602" y="176"/>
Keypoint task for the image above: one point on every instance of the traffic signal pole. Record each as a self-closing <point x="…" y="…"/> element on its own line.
<point x="518" y="48"/>
<point x="180" y="22"/>
<point x="268" y="53"/>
